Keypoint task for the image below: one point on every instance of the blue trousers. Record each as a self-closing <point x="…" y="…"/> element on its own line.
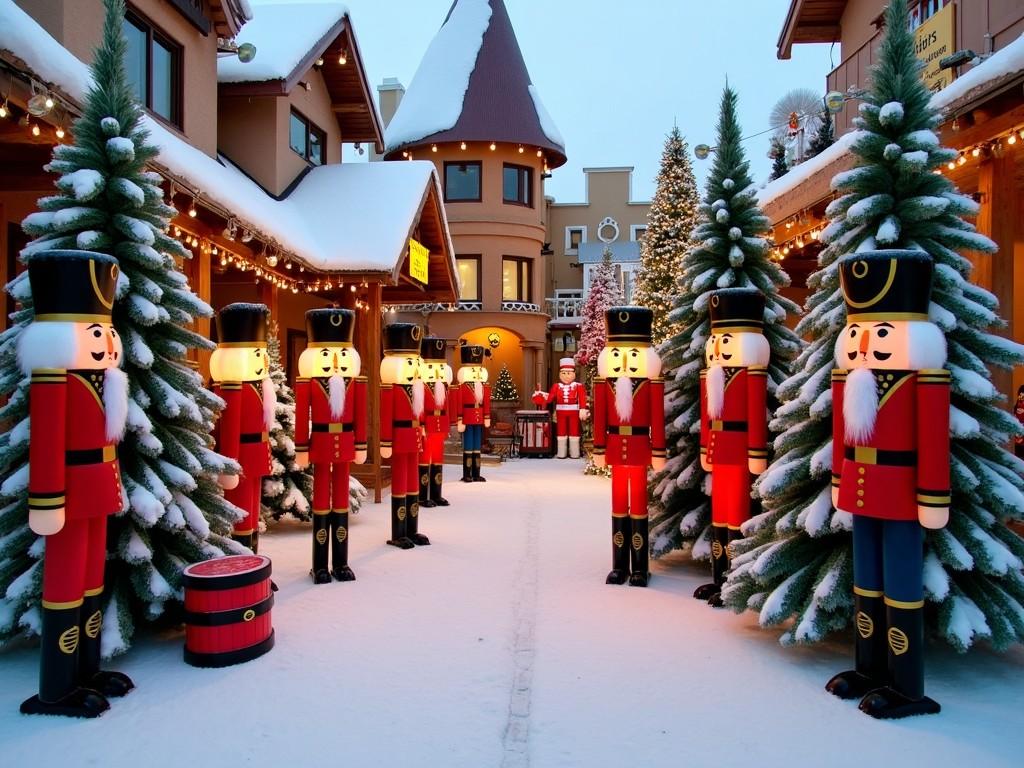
<point x="888" y="556"/>
<point x="472" y="438"/>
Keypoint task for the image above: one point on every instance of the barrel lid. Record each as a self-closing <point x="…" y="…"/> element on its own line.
<point x="227" y="572"/>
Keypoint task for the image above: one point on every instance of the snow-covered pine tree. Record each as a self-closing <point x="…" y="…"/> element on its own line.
<point x="107" y="201"/>
<point x="729" y="251"/>
<point x="504" y="387"/>
<point x="605" y="292"/>
<point x="797" y="562"/>
<point x="777" y="152"/>
<point x="672" y="218"/>
<point x="824" y="137"/>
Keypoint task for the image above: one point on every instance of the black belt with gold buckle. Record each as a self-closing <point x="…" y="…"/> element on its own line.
<point x="865" y="455"/>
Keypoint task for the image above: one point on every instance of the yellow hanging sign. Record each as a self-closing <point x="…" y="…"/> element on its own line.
<point x="934" y="40"/>
<point x="419" y="258"/>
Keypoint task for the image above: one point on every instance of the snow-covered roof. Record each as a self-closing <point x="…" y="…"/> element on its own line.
<point x="284" y="33"/>
<point x="347" y="217"/>
<point x="802" y="173"/>
<point x="472" y="85"/>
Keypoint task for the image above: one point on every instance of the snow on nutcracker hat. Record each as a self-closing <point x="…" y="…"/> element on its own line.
<point x="331" y="327"/>
<point x="629" y="326"/>
<point x="567" y="362"/>
<point x="242" y="325"/>
<point x="886" y="285"/>
<point x="402" y="339"/>
<point x="473" y="354"/>
<point x="737" y="310"/>
<point x="433" y="348"/>
<point x="72" y="286"/>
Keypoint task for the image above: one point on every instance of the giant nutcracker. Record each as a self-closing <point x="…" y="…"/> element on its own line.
<point x="570" y="399"/>
<point x="240" y="371"/>
<point x="331" y="392"/>
<point x="629" y="433"/>
<point x="471" y="404"/>
<point x="401" y="433"/>
<point x="78" y="404"/>
<point x="890" y="469"/>
<point x="733" y="420"/>
<point x="437" y="376"/>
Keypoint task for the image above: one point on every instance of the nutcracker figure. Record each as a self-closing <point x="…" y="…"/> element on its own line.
<point x="471" y="404"/>
<point x="890" y="469"/>
<point x="78" y="404"/>
<point x="240" y="371"/>
<point x="402" y="402"/>
<point x="570" y="399"/>
<point x="1018" y="410"/>
<point x="330" y="391"/>
<point x="436" y="375"/>
<point x="629" y="433"/>
<point x="733" y="420"/>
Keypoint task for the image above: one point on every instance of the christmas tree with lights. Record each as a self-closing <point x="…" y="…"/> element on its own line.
<point x="504" y="387"/>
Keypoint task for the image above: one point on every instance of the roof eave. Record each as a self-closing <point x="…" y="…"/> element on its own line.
<point x="788" y="37"/>
<point x="554" y="154"/>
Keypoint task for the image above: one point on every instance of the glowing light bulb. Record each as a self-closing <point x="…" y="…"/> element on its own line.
<point x="462" y="146"/>
<point x="493" y="146"/>
<point x="961" y="160"/>
<point x="35" y="130"/>
<point x="521" y="150"/>
<point x="3" y="110"/>
<point x="60" y="132"/>
<point x="342" y="59"/>
<point x="951" y="165"/>
<point x="433" y="147"/>
<point x="976" y="152"/>
<point x="1011" y="139"/>
<point x="49" y="102"/>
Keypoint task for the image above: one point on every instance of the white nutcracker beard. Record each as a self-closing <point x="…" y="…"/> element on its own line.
<point x="624" y="397"/>
<point x="336" y="387"/>
<point x="439" y="393"/>
<point x="715" y="387"/>
<point x="269" y="403"/>
<point x="417" y="397"/>
<point x="115" y="402"/>
<point x="860" y="405"/>
<point x="478" y="391"/>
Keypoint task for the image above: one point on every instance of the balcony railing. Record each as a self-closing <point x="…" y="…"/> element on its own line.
<point x="438" y="306"/>
<point x="851" y="77"/>
<point x="519" y="306"/>
<point x="560" y="308"/>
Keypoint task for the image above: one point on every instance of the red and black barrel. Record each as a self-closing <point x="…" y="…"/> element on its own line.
<point x="227" y="610"/>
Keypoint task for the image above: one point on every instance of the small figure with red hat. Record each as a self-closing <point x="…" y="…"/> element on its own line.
<point x="240" y="371"/>
<point x="471" y="404"/>
<point x="331" y="391"/>
<point x="629" y="434"/>
<point x="78" y="407"/>
<point x="570" y="399"/>
<point x="436" y="375"/>
<point x="402" y="402"/>
<point x="733" y="420"/>
<point x="890" y="469"/>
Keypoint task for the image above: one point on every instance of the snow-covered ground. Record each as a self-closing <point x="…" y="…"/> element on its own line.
<point x="500" y="645"/>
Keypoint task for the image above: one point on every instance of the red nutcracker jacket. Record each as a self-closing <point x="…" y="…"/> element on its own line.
<point x="905" y="463"/>
<point x="329" y="440"/>
<point x="566" y="397"/>
<point x="635" y="441"/>
<point x="741" y="431"/>
<point x="462" y="402"/>
<point x="436" y="417"/>
<point x="242" y="431"/>
<point x="71" y="462"/>
<point x="399" y="426"/>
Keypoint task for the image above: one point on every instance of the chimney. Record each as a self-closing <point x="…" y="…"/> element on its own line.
<point x="389" y="96"/>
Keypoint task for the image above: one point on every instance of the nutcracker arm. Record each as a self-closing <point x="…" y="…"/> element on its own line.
<point x="487" y="402"/>
<point x="302" y="396"/>
<point x="838" y="426"/>
<point x="453" y="402"/>
<point x="933" y="492"/>
<point x="600" y="416"/>
<point x="757" y="416"/>
<point x="359" y="413"/>
<point x="657" y="406"/>
<point x="46" y="473"/>
<point x="230" y="425"/>
<point x="387" y="410"/>
<point x="705" y="422"/>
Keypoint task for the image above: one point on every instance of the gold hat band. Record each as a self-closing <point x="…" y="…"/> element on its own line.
<point x="238" y="344"/>
<point x="871" y="317"/>
<point x="71" y="317"/>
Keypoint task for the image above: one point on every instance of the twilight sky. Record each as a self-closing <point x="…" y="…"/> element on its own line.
<point x="615" y="75"/>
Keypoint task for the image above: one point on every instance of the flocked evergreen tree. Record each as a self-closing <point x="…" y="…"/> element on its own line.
<point x="797" y="563"/>
<point x="777" y="153"/>
<point x="107" y="201"/>
<point x="504" y="387"/>
<point x="672" y="218"/>
<point x="824" y="137"/>
<point x="729" y="251"/>
<point x="605" y="292"/>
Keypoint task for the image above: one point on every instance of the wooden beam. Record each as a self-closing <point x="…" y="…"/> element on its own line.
<point x="202" y="284"/>
<point x="349" y="108"/>
<point x="982" y="129"/>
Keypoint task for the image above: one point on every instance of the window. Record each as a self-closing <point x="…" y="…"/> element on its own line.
<point x="469" y="276"/>
<point x="574" y="236"/>
<point x="515" y="278"/>
<point x="516" y="183"/>
<point x="462" y="182"/>
<point x="305" y="139"/>
<point x="153" y="66"/>
<point x="637" y="232"/>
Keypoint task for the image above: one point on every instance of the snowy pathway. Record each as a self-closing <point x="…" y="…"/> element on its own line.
<point x="500" y="645"/>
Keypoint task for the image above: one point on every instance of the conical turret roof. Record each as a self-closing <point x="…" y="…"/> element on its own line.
<point x="473" y="85"/>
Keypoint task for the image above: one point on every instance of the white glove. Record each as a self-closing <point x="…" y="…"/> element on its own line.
<point x="461" y="427"/>
<point x="933" y="517"/>
<point x="584" y="414"/>
<point x="360" y="457"/>
<point x="658" y="463"/>
<point x="302" y="459"/>
<point x="487" y="421"/>
<point x="46" y="522"/>
<point x="599" y="460"/>
<point x="704" y="463"/>
<point x="757" y="466"/>
<point x="835" y="496"/>
<point x="385" y="453"/>
<point x="228" y="482"/>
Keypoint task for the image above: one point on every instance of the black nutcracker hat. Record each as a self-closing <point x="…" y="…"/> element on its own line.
<point x="886" y="285"/>
<point x="473" y="354"/>
<point x="402" y="339"/>
<point x="331" y="327"/>
<point x="72" y="286"/>
<point x="434" y="348"/>
<point x="737" y="310"/>
<point x="242" y="325"/>
<point x="629" y="326"/>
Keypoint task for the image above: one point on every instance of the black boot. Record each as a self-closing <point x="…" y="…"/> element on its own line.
<point x="869" y="652"/>
<point x="339" y="551"/>
<point x="247" y="540"/>
<point x="620" y="551"/>
<point x="476" y="469"/>
<point x="413" y="523"/>
<point x="732" y="535"/>
<point x="399" y="538"/>
<point x="904" y="696"/>
<point x="425" y="500"/>
<point x="321" y="543"/>
<point x="110" y="684"/>
<point x="467" y="467"/>
<point x="719" y="563"/>
<point x="639" y="552"/>
<point x="436" y="478"/>
<point x="59" y="690"/>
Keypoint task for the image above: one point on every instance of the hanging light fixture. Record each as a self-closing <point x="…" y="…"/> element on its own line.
<point x="192" y="212"/>
<point x="40" y="104"/>
<point x="493" y="146"/>
<point x="462" y="146"/>
<point x="4" y="109"/>
<point x="343" y="57"/>
<point x="60" y="132"/>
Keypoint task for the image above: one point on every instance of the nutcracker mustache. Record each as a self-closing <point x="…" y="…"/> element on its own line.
<point x="417" y="398"/>
<point x="860" y="405"/>
<point x="115" y="402"/>
<point x="624" y="397"/>
<point x="336" y="386"/>
<point x="439" y="393"/>
<point x="269" y="403"/>
<point x="715" y="385"/>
